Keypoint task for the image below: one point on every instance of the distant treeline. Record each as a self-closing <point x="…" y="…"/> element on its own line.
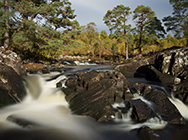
<point x="48" y="29"/>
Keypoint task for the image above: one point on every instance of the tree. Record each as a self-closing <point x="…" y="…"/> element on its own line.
<point x="179" y="21"/>
<point x="156" y="28"/>
<point x="116" y="19"/>
<point x="5" y="7"/>
<point x="57" y="14"/>
<point x="33" y="23"/>
<point x="143" y="16"/>
<point x="92" y="36"/>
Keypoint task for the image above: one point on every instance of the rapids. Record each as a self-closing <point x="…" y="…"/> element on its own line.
<point x="44" y="114"/>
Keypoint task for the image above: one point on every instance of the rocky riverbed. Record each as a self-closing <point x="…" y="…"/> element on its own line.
<point x="143" y="87"/>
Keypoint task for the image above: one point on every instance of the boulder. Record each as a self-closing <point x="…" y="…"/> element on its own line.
<point x="129" y="69"/>
<point x="173" y="62"/>
<point x="165" y="108"/>
<point x="11" y="59"/>
<point x="21" y="121"/>
<point x="181" y="92"/>
<point x="149" y="72"/>
<point x="146" y="133"/>
<point x="12" y="89"/>
<point x="92" y="93"/>
<point x="141" y="111"/>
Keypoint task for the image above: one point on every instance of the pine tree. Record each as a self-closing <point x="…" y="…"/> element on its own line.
<point x="179" y="21"/>
<point x="31" y="24"/>
<point x="116" y="19"/>
<point x="143" y="16"/>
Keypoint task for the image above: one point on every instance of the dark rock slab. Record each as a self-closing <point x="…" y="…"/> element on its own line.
<point x="146" y="133"/>
<point x="165" y="108"/>
<point x="21" y="121"/>
<point x="141" y="111"/>
<point x="149" y="72"/>
<point x="164" y="78"/>
<point x="92" y="93"/>
<point x="12" y="89"/>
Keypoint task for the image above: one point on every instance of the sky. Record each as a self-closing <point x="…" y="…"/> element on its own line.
<point x="94" y="10"/>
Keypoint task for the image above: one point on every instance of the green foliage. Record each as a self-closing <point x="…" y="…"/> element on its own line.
<point x="104" y="34"/>
<point x="156" y="28"/>
<point x="34" y="26"/>
<point x="144" y="16"/>
<point x="43" y="28"/>
<point x="116" y="20"/>
<point x="179" y="21"/>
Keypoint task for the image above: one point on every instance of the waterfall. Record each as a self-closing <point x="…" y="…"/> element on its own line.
<point x="183" y="109"/>
<point x="45" y="114"/>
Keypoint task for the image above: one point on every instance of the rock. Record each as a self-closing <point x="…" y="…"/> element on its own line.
<point x="165" y="78"/>
<point x="92" y="93"/>
<point x="34" y="67"/>
<point x="173" y="62"/>
<point x="21" y="122"/>
<point x="129" y="69"/>
<point x="12" y="89"/>
<point x="149" y="72"/>
<point x="45" y="70"/>
<point x="181" y="92"/>
<point x="11" y="59"/>
<point x="165" y="108"/>
<point x="146" y="133"/>
<point x="141" y="111"/>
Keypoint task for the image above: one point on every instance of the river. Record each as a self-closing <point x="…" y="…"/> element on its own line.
<point x="44" y="114"/>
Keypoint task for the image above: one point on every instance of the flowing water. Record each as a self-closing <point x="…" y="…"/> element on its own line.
<point x="44" y="114"/>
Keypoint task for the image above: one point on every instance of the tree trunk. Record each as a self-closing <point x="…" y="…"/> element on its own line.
<point x="100" y="51"/>
<point x="126" y="45"/>
<point x="126" y="49"/>
<point x="93" y="52"/>
<point x="140" y="42"/>
<point x="6" y="34"/>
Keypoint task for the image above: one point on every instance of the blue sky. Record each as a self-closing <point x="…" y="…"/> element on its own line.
<point x="94" y="10"/>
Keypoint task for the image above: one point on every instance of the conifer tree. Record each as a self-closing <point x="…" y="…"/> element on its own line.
<point x="32" y="23"/>
<point x="179" y="21"/>
<point x="144" y="16"/>
<point x="116" y="20"/>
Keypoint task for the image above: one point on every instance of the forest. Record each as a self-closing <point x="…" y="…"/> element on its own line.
<point x="45" y="29"/>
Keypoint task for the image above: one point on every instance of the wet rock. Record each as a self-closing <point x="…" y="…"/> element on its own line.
<point x="92" y="93"/>
<point x="141" y="111"/>
<point x="11" y="59"/>
<point x="146" y="133"/>
<point x="149" y="72"/>
<point x="164" y="78"/>
<point x="165" y="108"/>
<point x="45" y="70"/>
<point x="12" y="89"/>
<point x="181" y="92"/>
<point x="21" y="122"/>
